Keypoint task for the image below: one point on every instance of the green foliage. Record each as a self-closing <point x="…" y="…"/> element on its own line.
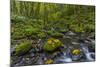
<point x="31" y="30"/>
<point x="50" y="32"/>
<point x="17" y="19"/>
<point x="41" y="35"/>
<point x="89" y="28"/>
<point x="32" y="19"/>
<point x="23" y="47"/>
<point x="18" y="34"/>
<point x="77" y="28"/>
<point x="52" y="44"/>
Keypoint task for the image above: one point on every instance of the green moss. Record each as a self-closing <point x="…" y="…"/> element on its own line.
<point x="57" y="34"/>
<point x="18" y="35"/>
<point x="63" y="30"/>
<point x="34" y="37"/>
<point x="54" y="34"/>
<point x="52" y="44"/>
<point x="89" y="28"/>
<point x="17" y="19"/>
<point x="41" y="35"/>
<point x="31" y="30"/>
<point x="23" y="47"/>
<point x="79" y="30"/>
<point x="50" y="32"/>
<point x="76" y="52"/>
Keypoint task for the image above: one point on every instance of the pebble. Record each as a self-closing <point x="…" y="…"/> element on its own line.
<point x="75" y="43"/>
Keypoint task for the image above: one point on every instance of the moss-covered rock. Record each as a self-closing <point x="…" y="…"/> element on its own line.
<point x="57" y="34"/>
<point x="76" y="52"/>
<point x="23" y="47"/>
<point x="48" y="61"/>
<point x="52" y="44"/>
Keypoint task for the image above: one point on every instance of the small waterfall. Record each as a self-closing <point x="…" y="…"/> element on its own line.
<point x="64" y="59"/>
<point x="87" y="53"/>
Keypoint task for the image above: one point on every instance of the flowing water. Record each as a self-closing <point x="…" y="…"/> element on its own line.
<point x="70" y="41"/>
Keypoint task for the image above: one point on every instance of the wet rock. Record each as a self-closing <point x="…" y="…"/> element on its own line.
<point x="12" y="50"/>
<point x="91" y="48"/>
<point x="40" y="61"/>
<point x="68" y="37"/>
<point x="89" y="41"/>
<point x="16" y="60"/>
<point x="23" y="62"/>
<point x="60" y="54"/>
<point x="35" y="59"/>
<point x="32" y="50"/>
<point x="51" y="55"/>
<point x="28" y="61"/>
<point x="35" y="48"/>
<point x="32" y="54"/>
<point x="93" y="56"/>
<point x="90" y="56"/>
<point x="35" y="41"/>
<point x="70" y="33"/>
<point x="75" y="43"/>
<point x="39" y="41"/>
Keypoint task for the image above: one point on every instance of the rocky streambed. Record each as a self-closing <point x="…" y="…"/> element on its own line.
<point x="76" y="48"/>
